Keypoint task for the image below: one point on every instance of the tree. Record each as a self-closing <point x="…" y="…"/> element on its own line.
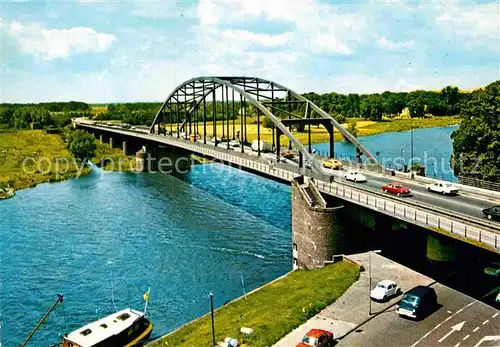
<point x="417" y="107"/>
<point x="371" y="108"/>
<point x="476" y="142"/>
<point x="82" y="145"/>
<point x="451" y="98"/>
<point x="352" y="128"/>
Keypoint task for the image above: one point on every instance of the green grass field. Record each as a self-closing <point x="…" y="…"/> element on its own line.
<point x="272" y="311"/>
<point x="30" y="157"/>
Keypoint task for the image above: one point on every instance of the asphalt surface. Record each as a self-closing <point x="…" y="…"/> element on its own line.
<point x="468" y="205"/>
<point x="458" y="321"/>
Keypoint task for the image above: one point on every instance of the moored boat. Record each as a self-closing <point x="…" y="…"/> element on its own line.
<point x="127" y="327"/>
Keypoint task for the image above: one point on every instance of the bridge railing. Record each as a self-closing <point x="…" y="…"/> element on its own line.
<point x="459" y="226"/>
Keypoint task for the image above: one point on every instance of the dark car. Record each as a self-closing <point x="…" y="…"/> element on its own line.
<point x="417" y="302"/>
<point x="492" y="212"/>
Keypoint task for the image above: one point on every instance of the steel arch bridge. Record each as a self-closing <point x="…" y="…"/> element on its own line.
<point x="187" y="114"/>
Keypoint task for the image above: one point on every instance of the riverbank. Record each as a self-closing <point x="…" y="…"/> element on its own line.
<point x="31" y="157"/>
<point x="320" y="135"/>
<point x="272" y="311"/>
<point x="113" y="159"/>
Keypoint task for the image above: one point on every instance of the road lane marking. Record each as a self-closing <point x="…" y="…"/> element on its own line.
<point x="456" y="327"/>
<point x="475" y="329"/>
<point x="496" y="314"/>
<point x="447" y="319"/>
<point x="486" y="321"/>
<point x="430" y="331"/>
<point x="466" y="337"/>
<point x="458" y="344"/>
<point x="488" y="338"/>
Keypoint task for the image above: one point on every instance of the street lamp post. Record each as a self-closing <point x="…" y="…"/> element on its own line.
<point x="370" y="277"/>
<point x="411" y="142"/>
<point x="402" y="159"/>
<point x="212" y="313"/>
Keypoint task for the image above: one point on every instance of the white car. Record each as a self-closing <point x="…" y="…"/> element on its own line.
<point x="355" y="176"/>
<point x="385" y="290"/>
<point x="442" y="188"/>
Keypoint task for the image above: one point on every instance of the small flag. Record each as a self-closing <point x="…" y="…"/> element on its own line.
<point x="146" y="296"/>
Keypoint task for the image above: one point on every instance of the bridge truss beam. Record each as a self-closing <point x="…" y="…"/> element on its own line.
<point x="186" y="107"/>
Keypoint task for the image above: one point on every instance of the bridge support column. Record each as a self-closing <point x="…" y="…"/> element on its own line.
<point x="100" y="139"/>
<point x="317" y="233"/>
<point x="440" y="249"/>
<point x="124" y="147"/>
<point x="111" y="142"/>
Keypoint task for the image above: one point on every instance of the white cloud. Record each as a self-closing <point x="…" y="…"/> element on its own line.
<point x="51" y="44"/>
<point x="479" y="22"/>
<point x="249" y="38"/>
<point x="162" y="9"/>
<point x="320" y="26"/>
<point x="394" y="46"/>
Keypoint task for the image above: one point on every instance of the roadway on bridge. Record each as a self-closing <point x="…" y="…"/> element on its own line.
<point x="465" y="204"/>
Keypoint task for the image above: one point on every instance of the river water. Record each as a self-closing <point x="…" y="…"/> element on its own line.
<point x="108" y="237"/>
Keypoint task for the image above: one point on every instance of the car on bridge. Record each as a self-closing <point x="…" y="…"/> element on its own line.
<point x="442" y="188"/>
<point x="332" y="164"/>
<point x="493" y="269"/>
<point x="355" y="176"/>
<point x="492" y="212"/>
<point x="396" y="188"/>
<point x="317" y="338"/>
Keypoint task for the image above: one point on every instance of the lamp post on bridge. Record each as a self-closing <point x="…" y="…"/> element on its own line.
<point x="370" y="277"/>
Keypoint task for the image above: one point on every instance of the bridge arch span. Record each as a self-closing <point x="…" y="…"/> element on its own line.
<point x="262" y="94"/>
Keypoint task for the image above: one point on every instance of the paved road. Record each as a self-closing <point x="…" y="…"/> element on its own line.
<point x="460" y="321"/>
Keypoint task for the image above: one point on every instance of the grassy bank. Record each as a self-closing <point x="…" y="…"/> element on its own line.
<point x="320" y="135"/>
<point x="30" y="157"/>
<point x="272" y="311"/>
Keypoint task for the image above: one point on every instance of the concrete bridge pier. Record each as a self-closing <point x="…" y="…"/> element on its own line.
<point x="440" y="249"/>
<point x="317" y="232"/>
<point x="165" y="159"/>
<point x="101" y="139"/>
<point x="111" y="142"/>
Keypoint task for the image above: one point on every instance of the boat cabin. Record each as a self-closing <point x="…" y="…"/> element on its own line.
<point x="123" y="328"/>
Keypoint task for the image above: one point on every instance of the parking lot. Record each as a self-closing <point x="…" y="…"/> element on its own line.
<point x="459" y="320"/>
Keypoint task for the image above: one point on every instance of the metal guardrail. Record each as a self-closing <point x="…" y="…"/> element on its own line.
<point x="477" y="183"/>
<point x="466" y="227"/>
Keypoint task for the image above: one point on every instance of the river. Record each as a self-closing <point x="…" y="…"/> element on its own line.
<point x="110" y="236"/>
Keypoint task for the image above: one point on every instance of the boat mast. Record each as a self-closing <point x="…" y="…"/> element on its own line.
<point x="59" y="299"/>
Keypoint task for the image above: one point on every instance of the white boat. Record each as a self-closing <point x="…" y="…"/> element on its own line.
<point x="127" y="327"/>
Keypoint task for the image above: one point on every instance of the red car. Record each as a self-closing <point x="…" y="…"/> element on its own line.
<point x="317" y="338"/>
<point x="396" y="188"/>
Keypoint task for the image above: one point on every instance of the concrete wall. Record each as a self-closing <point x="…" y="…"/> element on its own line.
<point x="316" y="232"/>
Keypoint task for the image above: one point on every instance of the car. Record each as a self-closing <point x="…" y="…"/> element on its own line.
<point x="417" y="302"/>
<point x="497" y="298"/>
<point x="332" y="164"/>
<point x="384" y="290"/>
<point x="396" y="188"/>
<point x="492" y="212"/>
<point x="355" y="176"/>
<point x="493" y="269"/>
<point x="234" y="143"/>
<point x="287" y="154"/>
<point x="317" y="338"/>
<point x="442" y="188"/>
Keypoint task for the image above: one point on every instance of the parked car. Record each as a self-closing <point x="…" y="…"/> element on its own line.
<point x="332" y="164"/>
<point x="317" y="338"/>
<point x="442" y="188"/>
<point x="417" y="302"/>
<point x="492" y="212"/>
<point x="396" y="188"/>
<point x="493" y="269"/>
<point x="355" y="176"/>
<point x="384" y="290"/>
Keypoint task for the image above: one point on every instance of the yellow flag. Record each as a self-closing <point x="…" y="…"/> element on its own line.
<point x="146" y="296"/>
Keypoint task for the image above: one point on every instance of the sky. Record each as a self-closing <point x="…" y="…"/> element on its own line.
<point x="125" y="51"/>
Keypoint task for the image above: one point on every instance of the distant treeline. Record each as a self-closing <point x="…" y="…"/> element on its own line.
<point x="448" y="101"/>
